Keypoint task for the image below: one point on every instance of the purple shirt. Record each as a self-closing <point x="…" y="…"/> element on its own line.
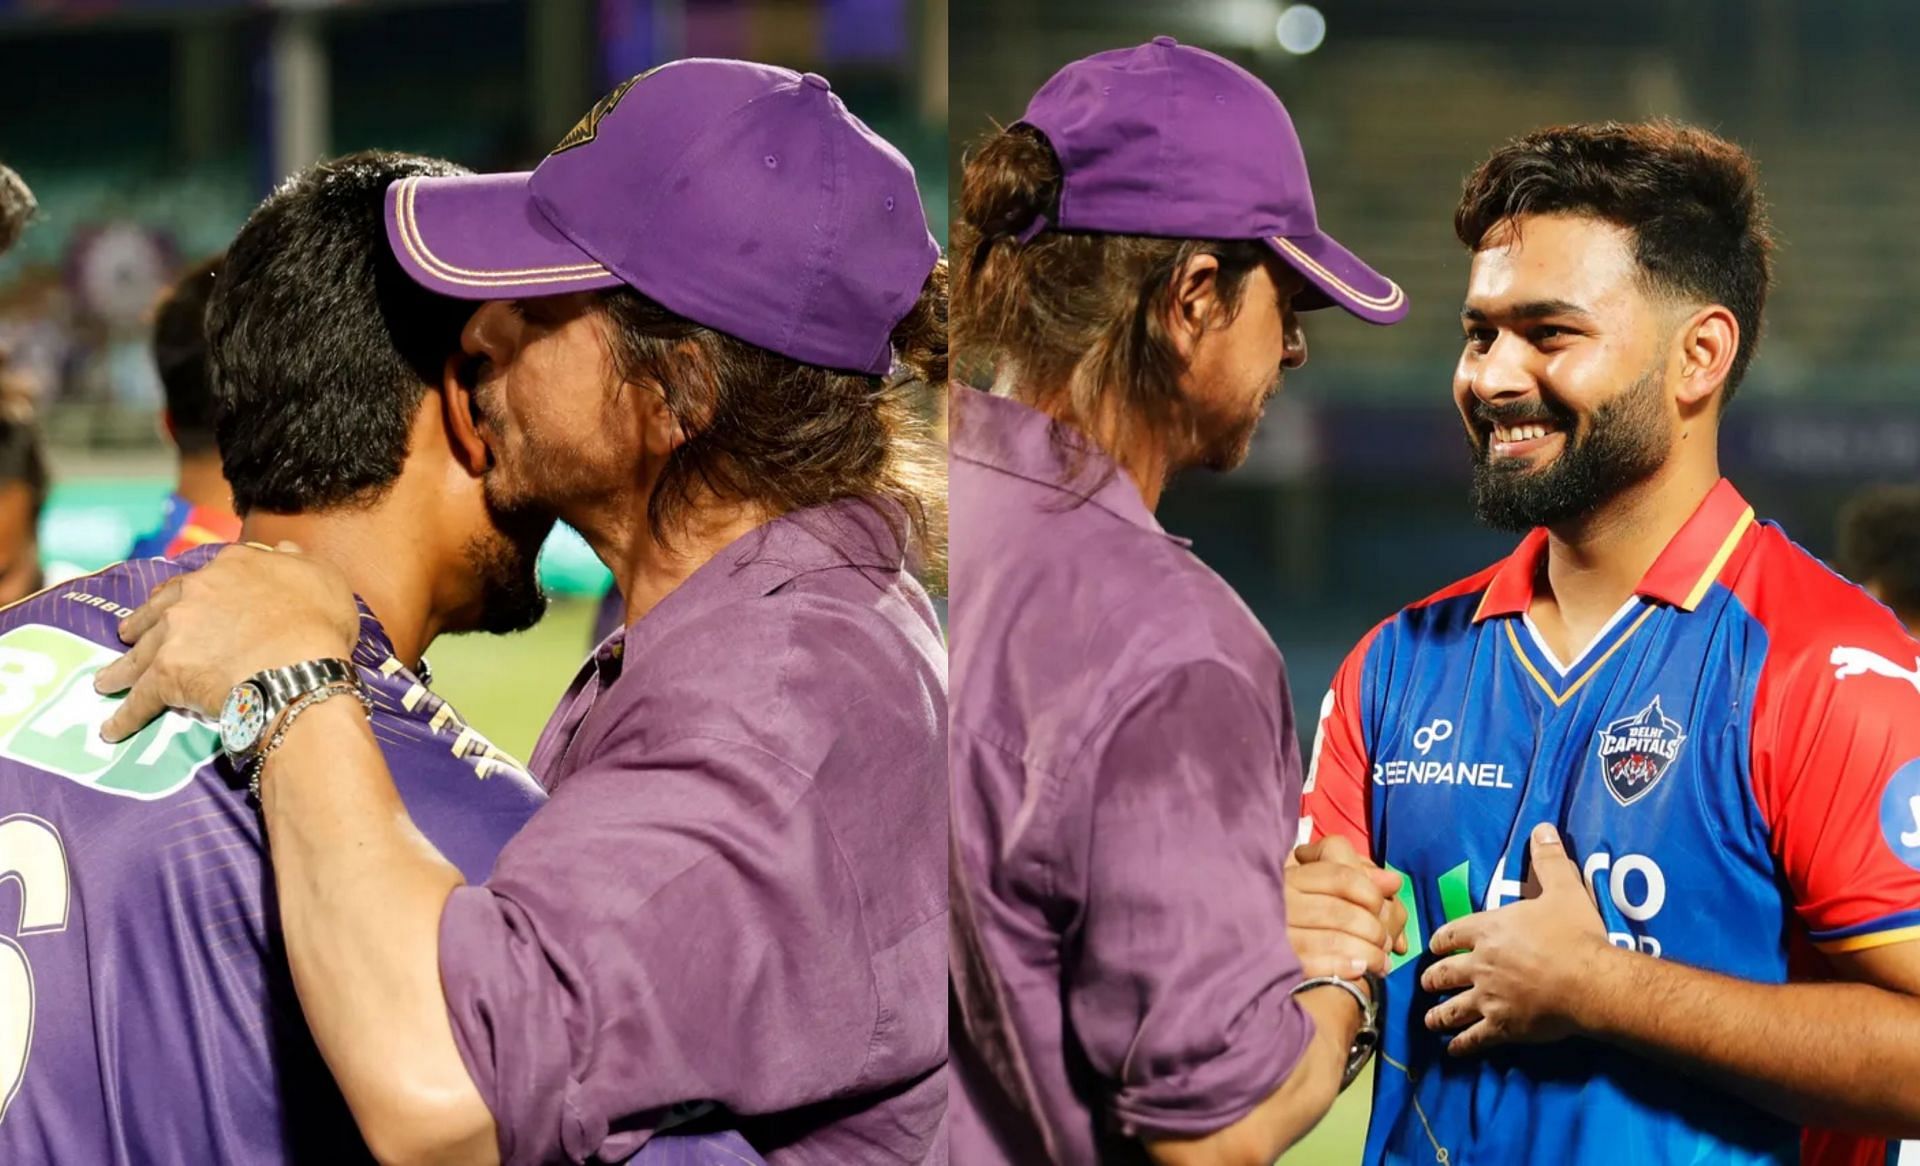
<point x="735" y="895"/>
<point x="159" y="1024"/>
<point x="1125" y="787"/>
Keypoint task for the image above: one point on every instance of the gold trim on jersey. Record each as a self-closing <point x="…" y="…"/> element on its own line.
<point x="1719" y="561"/>
<point x="1561" y="698"/>
<point x="1871" y="939"/>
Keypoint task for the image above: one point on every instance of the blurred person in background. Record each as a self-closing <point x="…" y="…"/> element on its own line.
<point x="1140" y="970"/>
<point x="155" y="1020"/>
<point x="24" y="482"/>
<point x="24" y="487"/>
<point x="1880" y="547"/>
<point x="17" y="207"/>
<point x="1654" y="778"/>
<point x="700" y="321"/>
<point x="200" y="509"/>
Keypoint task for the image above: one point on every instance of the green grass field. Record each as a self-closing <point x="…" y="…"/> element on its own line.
<point x="506" y="686"/>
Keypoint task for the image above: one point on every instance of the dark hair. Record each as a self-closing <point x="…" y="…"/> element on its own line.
<point x="767" y="429"/>
<point x="17" y="208"/>
<point x="180" y="353"/>
<point x="321" y="347"/>
<point x="1690" y="199"/>
<point x="1880" y="544"/>
<point x="1076" y="318"/>
<point x="23" y="460"/>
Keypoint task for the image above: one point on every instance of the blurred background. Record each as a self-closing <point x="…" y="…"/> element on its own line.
<point x="1354" y="502"/>
<point x="148" y="129"/>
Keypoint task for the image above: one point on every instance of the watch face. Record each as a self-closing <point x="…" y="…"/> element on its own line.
<point x="243" y="718"/>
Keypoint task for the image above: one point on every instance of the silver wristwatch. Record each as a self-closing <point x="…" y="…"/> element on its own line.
<point x="1367" y="1039"/>
<point x="257" y="702"/>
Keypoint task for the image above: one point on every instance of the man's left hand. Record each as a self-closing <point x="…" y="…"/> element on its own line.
<point x="1517" y="969"/>
<point x="201" y="633"/>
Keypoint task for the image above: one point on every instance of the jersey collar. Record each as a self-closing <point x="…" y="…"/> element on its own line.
<point x="1680" y="577"/>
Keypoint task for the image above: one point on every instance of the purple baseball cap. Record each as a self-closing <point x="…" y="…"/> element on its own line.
<point x="1170" y="140"/>
<point x="744" y="197"/>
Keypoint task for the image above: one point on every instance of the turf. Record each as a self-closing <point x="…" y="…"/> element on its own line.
<point x="506" y="686"/>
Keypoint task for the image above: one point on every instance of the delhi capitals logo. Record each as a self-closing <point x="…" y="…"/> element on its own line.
<point x="1635" y="751"/>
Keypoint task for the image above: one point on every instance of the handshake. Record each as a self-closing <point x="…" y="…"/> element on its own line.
<point x="1343" y="916"/>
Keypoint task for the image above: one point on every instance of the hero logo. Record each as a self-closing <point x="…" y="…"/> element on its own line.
<point x="1638" y="898"/>
<point x="1486" y="775"/>
<point x="1633" y="883"/>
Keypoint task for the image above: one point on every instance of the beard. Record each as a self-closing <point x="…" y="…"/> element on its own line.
<point x="505" y="560"/>
<point x="1626" y="441"/>
<point x="1223" y="440"/>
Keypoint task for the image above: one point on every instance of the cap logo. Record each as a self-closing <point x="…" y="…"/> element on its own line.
<point x="588" y="127"/>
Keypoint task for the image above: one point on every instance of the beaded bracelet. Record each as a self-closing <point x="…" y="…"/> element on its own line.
<point x="286" y="722"/>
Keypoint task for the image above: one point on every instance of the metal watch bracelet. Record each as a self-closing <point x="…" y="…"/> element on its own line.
<point x="292" y="713"/>
<point x="1367" y="1039"/>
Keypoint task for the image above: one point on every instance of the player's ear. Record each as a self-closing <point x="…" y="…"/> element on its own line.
<point x="1195" y="300"/>
<point x="460" y="413"/>
<point x="1708" y="341"/>
<point x="661" y="430"/>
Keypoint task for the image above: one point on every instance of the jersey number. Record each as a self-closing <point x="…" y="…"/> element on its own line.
<point x="32" y="856"/>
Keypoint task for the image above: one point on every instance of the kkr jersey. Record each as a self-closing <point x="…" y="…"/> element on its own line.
<point x="146" y="1012"/>
<point x="1734" y="762"/>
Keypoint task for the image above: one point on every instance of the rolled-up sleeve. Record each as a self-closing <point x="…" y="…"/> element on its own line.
<point x="676" y="926"/>
<point x="1180" y="973"/>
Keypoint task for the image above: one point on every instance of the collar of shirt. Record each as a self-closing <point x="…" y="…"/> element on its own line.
<point x="1008" y="437"/>
<point x="848" y="533"/>
<point x="1680" y="577"/>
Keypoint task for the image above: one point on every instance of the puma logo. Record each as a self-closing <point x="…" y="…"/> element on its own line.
<point x="1859" y="661"/>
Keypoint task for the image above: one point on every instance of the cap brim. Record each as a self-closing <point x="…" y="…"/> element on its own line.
<point x="480" y="237"/>
<point x="1336" y="278"/>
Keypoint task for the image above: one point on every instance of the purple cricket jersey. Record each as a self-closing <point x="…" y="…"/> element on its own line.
<point x="1126" y="783"/>
<point x="735" y="894"/>
<point x="146" y="1011"/>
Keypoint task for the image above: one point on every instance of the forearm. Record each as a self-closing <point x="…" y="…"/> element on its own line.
<point x="360" y="893"/>
<point x="1291" y="1110"/>
<point x="1839" y="1055"/>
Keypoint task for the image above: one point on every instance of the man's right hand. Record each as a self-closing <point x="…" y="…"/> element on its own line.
<point x="1342" y="916"/>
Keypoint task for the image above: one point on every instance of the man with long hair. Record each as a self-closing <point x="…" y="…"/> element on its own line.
<point x="1133" y="260"/>
<point x="699" y="325"/>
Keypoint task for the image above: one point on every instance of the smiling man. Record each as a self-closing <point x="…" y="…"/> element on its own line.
<point x="1654" y="701"/>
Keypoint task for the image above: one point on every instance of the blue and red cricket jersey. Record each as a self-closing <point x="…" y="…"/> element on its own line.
<point x="184" y="527"/>
<point x="1735" y="764"/>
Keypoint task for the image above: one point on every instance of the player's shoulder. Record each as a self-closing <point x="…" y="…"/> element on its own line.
<point x="91" y="606"/>
<point x="1445" y="613"/>
<point x="1811" y="614"/>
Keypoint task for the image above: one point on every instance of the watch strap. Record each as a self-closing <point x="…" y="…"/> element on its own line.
<point x="283" y="686"/>
<point x="1367" y="1039"/>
